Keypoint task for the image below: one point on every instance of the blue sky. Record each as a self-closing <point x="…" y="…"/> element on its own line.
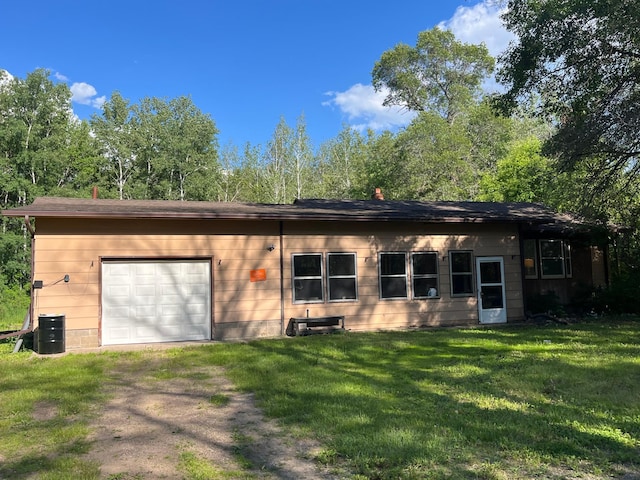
<point x="246" y="63"/>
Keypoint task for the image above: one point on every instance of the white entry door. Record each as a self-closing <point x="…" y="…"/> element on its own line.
<point x="492" y="305"/>
<point x="155" y="301"/>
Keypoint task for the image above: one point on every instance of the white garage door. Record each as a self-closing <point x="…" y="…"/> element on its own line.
<point x="153" y="301"/>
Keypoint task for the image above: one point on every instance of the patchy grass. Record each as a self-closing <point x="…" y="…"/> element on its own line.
<point x="503" y="403"/>
<point x="44" y="404"/>
<point x="219" y="399"/>
<point x="196" y="468"/>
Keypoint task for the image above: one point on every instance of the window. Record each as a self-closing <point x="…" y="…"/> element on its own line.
<point x="393" y="275"/>
<point x="530" y="259"/>
<point x="461" y="265"/>
<point x="555" y="259"/>
<point x="341" y="276"/>
<point x="424" y="275"/>
<point x="307" y="278"/>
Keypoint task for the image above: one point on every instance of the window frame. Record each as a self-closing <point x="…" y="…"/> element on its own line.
<point x="564" y="258"/>
<point x="435" y="275"/>
<point x="469" y="273"/>
<point x="294" y="278"/>
<point x="382" y="276"/>
<point x="568" y="267"/>
<point x="354" y="276"/>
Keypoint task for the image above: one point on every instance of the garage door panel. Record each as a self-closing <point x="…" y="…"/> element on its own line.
<point x="195" y="290"/>
<point x="146" y="311"/>
<point x="119" y="269"/>
<point x="145" y="290"/>
<point x="145" y="301"/>
<point x="119" y="333"/>
<point x="117" y="312"/>
<point x="195" y="308"/>
<point x="119" y="290"/>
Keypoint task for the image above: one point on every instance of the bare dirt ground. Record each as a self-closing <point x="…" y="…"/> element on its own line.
<point x="148" y="424"/>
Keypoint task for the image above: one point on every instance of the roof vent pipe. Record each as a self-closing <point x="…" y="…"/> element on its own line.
<point x="94" y="193"/>
<point x="377" y="194"/>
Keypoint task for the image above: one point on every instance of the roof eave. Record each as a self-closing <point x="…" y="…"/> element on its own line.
<point x="264" y="216"/>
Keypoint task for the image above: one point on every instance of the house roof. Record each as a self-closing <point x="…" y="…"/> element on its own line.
<point x="322" y="210"/>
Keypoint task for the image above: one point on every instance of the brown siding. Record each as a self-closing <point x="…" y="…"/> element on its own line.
<point x="588" y="268"/>
<point x="372" y="313"/>
<point x="235" y="298"/>
<point x="244" y="309"/>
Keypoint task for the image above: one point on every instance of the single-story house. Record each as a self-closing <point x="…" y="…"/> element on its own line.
<point x="139" y="271"/>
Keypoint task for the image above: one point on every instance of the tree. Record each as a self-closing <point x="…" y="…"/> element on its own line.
<point x="115" y="133"/>
<point x="277" y="168"/>
<point x="432" y="163"/>
<point x="523" y="175"/>
<point x="158" y="149"/>
<point x="342" y="160"/>
<point x="251" y="173"/>
<point x="439" y="75"/>
<point x="43" y="151"/>
<point x="583" y="60"/>
<point x="35" y="121"/>
<point x="188" y="145"/>
<point x="230" y="185"/>
<point x="303" y="164"/>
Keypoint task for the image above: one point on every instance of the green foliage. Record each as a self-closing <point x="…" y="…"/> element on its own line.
<point x="341" y="161"/>
<point x="618" y="298"/>
<point x="583" y="60"/>
<point x="15" y="254"/>
<point x="523" y="175"/>
<point x="14" y="305"/>
<point x="438" y="160"/>
<point x="439" y="75"/>
<point x="433" y="165"/>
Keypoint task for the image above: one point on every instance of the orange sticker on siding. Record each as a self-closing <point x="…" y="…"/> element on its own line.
<point x="258" y="275"/>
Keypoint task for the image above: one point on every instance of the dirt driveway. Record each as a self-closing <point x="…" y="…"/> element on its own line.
<point x="151" y="428"/>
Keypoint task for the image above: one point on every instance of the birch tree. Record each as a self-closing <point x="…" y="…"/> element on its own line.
<point x="114" y="130"/>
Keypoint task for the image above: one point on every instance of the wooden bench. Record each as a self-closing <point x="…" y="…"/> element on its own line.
<point x="309" y="325"/>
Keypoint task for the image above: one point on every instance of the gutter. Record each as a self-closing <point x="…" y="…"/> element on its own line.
<point x="321" y="217"/>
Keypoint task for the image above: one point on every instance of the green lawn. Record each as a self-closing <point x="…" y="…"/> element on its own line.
<point x="504" y="403"/>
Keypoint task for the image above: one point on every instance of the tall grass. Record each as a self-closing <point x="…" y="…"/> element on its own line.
<point x="14" y="304"/>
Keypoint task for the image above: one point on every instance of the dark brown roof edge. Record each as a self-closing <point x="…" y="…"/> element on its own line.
<point x="320" y="210"/>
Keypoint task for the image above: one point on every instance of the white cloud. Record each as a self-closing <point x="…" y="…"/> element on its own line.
<point x="363" y="107"/>
<point x="85" y="94"/>
<point x="61" y="77"/>
<point x="480" y="23"/>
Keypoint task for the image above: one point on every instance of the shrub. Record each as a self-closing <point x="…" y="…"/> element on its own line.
<point x="14" y="303"/>
<point x="620" y="297"/>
